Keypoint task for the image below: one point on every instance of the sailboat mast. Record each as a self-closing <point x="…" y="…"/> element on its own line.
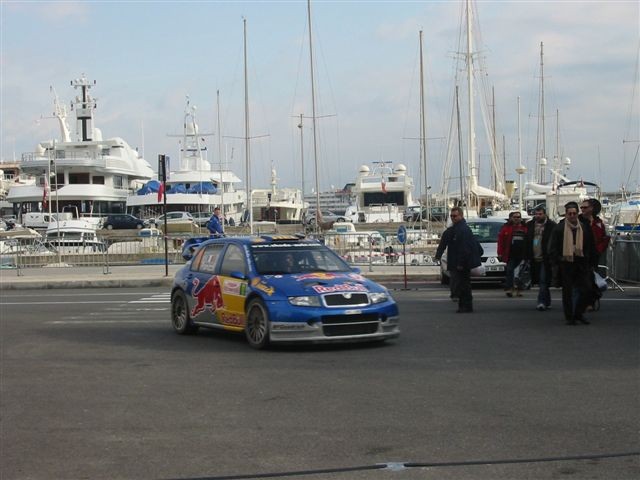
<point x="247" y="169"/>
<point x="473" y="176"/>
<point x="423" y="137"/>
<point x="300" y="126"/>
<point x="313" y="117"/>
<point x="541" y="173"/>
<point x="221" y="185"/>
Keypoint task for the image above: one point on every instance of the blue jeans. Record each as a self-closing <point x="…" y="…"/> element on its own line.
<point x="511" y="266"/>
<point x="544" y="279"/>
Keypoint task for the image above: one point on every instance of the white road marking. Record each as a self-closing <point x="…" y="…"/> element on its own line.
<point x="94" y="321"/>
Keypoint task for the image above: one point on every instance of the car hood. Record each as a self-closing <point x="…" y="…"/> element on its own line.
<point x="317" y="283"/>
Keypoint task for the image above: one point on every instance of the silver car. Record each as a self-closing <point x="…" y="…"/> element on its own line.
<point x="485" y="230"/>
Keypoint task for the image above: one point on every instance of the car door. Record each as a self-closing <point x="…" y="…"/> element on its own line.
<point x="203" y="285"/>
<point x="234" y="290"/>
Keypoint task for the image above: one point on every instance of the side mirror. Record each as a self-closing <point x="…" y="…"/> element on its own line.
<point x="238" y="275"/>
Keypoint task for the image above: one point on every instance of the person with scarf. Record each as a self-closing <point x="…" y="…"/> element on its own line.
<point x="572" y="248"/>
<point x="511" y="249"/>
<point x="538" y="235"/>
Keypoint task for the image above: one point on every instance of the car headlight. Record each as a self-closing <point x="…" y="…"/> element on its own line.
<point x="378" y="297"/>
<point x="305" y="301"/>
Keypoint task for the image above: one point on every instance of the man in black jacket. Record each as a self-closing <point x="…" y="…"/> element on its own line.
<point x="572" y="248"/>
<point x="463" y="254"/>
<point x="537" y="252"/>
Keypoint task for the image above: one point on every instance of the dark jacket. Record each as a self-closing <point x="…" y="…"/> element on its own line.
<point x="463" y="250"/>
<point x="549" y="225"/>
<point x="557" y="239"/>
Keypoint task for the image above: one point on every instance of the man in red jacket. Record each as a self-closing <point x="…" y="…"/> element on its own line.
<point x="512" y="249"/>
<point x="590" y="209"/>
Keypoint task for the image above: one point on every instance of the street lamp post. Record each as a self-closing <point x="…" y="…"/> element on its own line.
<point x="520" y="171"/>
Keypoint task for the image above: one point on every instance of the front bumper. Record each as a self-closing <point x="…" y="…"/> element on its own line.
<point x="323" y="325"/>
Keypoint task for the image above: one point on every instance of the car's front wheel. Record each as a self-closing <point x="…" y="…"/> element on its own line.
<point x="180" y="318"/>
<point x="109" y="227"/>
<point x="257" y="328"/>
<point x="139" y="226"/>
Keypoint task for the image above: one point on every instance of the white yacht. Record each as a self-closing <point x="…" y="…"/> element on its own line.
<point x="195" y="185"/>
<point x="11" y="177"/>
<point x="92" y="175"/>
<point x="280" y="205"/>
<point x="381" y="194"/>
<point x="74" y="236"/>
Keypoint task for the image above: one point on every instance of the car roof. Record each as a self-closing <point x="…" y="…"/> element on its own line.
<point x="297" y="239"/>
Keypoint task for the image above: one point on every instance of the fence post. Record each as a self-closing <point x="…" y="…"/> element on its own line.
<point x="370" y="253"/>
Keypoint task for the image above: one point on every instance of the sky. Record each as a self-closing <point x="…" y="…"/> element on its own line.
<point x="147" y="57"/>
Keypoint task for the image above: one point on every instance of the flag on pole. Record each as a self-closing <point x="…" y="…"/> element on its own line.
<point x="45" y="195"/>
<point x="161" y="193"/>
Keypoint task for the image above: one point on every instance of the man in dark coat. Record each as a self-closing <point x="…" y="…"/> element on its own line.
<point x="537" y="252"/>
<point x="463" y="254"/>
<point x="572" y="248"/>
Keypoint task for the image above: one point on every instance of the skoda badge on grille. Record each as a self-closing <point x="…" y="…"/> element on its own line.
<point x="346" y="295"/>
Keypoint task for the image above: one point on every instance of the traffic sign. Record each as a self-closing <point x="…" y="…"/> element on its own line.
<point x="402" y="234"/>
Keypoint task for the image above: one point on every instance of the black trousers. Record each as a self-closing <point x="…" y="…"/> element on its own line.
<point x="576" y="285"/>
<point x="461" y="288"/>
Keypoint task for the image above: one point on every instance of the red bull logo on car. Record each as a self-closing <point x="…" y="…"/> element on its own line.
<point x="209" y="295"/>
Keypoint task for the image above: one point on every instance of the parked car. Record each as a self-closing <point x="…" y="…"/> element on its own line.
<point x="123" y="221"/>
<point x="485" y="230"/>
<point x="327" y="216"/>
<point x="279" y="289"/>
<point x="201" y="218"/>
<point x="173" y="217"/>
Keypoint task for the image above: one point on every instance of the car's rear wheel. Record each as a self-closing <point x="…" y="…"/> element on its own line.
<point x="109" y="226"/>
<point x="139" y="226"/>
<point x="340" y="219"/>
<point x="180" y="318"/>
<point x="257" y="328"/>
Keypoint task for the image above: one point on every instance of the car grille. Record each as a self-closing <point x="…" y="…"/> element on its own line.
<point x="484" y="259"/>
<point x="339" y="325"/>
<point x="343" y="300"/>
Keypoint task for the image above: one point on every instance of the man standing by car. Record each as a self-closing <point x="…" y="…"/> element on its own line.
<point x="537" y="252"/>
<point x="214" y="225"/>
<point x="572" y="248"/>
<point x="463" y="254"/>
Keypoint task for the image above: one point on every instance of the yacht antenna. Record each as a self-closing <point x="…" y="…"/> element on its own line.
<point x="247" y="169"/>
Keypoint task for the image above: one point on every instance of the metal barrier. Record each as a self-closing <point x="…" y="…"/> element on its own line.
<point x="623" y="257"/>
<point x="371" y="248"/>
<point x="357" y="248"/>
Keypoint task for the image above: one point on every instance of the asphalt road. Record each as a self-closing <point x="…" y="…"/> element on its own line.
<point x="95" y="385"/>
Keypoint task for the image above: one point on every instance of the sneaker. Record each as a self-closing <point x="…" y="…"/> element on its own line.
<point x="518" y="293"/>
<point x="509" y="293"/>
<point x="541" y="307"/>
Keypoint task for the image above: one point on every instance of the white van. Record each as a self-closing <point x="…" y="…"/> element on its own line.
<point x="42" y="219"/>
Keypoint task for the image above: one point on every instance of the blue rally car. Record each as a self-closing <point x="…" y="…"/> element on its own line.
<point x="279" y="289"/>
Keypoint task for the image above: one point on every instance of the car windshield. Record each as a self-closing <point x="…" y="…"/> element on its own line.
<point x="278" y="259"/>
<point x="485" y="232"/>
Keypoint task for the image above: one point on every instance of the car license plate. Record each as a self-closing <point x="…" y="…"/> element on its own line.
<point x="495" y="269"/>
